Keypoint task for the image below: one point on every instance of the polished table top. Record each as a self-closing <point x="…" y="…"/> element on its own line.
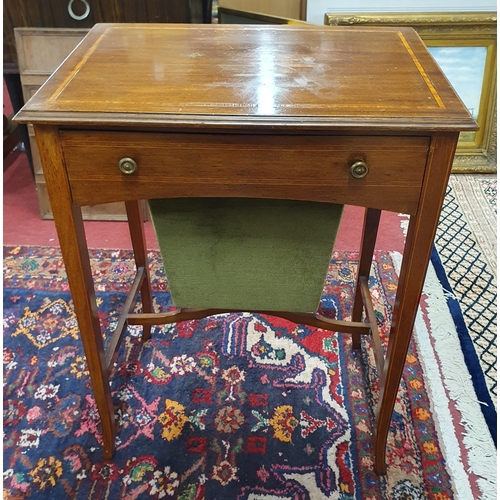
<point x="225" y="75"/>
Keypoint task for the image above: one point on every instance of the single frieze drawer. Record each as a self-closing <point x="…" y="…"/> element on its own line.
<point x="107" y="166"/>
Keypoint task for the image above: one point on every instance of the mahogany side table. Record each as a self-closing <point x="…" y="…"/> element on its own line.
<point x="359" y="116"/>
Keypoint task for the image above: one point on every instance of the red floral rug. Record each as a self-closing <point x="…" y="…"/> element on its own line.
<point x="231" y="407"/>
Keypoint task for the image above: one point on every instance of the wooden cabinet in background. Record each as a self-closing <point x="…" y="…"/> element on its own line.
<point x="288" y="9"/>
<point x="55" y="14"/>
<point x="40" y="51"/>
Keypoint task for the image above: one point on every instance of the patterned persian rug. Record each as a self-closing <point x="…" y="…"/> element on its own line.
<point x="234" y="406"/>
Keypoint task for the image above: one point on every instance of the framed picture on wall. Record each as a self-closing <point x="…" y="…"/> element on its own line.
<point x="464" y="45"/>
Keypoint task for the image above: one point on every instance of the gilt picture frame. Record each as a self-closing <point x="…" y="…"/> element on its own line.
<point x="464" y="44"/>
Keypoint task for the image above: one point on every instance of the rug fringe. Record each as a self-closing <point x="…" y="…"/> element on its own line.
<point x="481" y="452"/>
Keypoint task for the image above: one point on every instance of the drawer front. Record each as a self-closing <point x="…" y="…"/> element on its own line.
<point x="294" y="167"/>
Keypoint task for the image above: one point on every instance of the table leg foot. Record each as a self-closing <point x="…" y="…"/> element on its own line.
<point x="380" y="447"/>
<point x="380" y="466"/>
<point x="356" y="342"/>
<point x="108" y="452"/>
<point x="110" y="428"/>
<point x="146" y="333"/>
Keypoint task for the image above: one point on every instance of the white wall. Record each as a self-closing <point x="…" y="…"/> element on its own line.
<point x="316" y="9"/>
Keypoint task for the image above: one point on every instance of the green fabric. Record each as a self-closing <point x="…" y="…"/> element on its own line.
<point x="245" y="254"/>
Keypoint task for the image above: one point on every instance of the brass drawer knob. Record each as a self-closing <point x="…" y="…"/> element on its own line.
<point x="359" y="169"/>
<point x="127" y="166"/>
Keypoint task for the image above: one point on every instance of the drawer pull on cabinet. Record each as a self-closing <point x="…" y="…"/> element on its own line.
<point x="75" y="16"/>
<point x="127" y="166"/>
<point x="359" y="169"/>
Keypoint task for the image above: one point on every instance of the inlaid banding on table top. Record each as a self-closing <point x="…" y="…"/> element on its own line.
<point x="78" y="66"/>
<point x="284" y="77"/>
<point x="422" y="71"/>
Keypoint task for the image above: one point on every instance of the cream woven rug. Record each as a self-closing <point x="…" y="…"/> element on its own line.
<point x="467" y="244"/>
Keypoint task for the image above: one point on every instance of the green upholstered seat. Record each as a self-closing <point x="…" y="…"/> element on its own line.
<point x="245" y="254"/>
